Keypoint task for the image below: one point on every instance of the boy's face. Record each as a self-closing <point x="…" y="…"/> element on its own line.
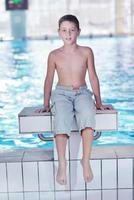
<point x="68" y="32"/>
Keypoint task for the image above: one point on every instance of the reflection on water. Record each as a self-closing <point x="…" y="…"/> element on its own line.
<point x="22" y="70"/>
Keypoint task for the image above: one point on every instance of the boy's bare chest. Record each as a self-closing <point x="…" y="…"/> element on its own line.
<point x="71" y="62"/>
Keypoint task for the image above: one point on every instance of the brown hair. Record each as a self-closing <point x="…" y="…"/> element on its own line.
<point x="70" y="18"/>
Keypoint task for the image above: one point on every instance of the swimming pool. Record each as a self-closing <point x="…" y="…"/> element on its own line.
<point x="22" y="70"/>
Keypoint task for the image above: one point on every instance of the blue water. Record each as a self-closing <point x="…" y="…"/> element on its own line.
<point x="22" y="71"/>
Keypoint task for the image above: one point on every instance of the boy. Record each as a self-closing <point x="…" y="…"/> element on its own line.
<point x="71" y="96"/>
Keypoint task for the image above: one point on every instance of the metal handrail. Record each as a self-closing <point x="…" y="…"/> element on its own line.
<point x="45" y="138"/>
<point x="97" y="134"/>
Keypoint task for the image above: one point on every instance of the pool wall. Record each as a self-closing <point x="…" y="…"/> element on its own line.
<point x="30" y="174"/>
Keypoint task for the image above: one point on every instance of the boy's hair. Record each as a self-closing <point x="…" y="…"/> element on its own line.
<point x="70" y="18"/>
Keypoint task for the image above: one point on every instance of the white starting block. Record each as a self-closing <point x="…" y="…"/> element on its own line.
<point x="33" y="122"/>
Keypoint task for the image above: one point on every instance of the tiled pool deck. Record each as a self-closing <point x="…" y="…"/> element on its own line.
<point x="30" y="175"/>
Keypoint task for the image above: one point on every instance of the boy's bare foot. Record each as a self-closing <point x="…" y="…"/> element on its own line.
<point x="87" y="171"/>
<point x="61" y="177"/>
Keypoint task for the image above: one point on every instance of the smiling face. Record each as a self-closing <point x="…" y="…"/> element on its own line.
<point x="69" y="32"/>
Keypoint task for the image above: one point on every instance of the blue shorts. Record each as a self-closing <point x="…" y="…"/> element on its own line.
<point x="69" y="103"/>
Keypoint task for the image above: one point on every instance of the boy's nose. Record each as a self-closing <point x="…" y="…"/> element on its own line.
<point x="69" y="32"/>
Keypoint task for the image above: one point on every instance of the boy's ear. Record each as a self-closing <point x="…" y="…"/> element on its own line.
<point x="58" y="31"/>
<point x="79" y="31"/>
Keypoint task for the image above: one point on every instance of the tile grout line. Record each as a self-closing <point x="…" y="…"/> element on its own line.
<point x="38" y="179"/>
<point x="22" y="171"/>
<point x="116" y="174"/>
<point x="86" y="191"/>
<point x="101" y="180"/>
<point x="7" y="181"/>
<point x="117" y="177"/>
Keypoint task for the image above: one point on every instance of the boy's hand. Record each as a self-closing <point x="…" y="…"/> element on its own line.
<point x="45" y="109"/>
<point x="104" y="107"/>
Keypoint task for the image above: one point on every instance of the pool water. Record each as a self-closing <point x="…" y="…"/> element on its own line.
<point x="22" y="70"/>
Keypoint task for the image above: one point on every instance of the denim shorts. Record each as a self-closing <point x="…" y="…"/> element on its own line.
<point x="69" y="103"/>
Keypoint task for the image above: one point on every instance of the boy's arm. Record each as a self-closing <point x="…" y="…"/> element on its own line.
<point x="95" y="81"/>
<point x="49" y="80"/>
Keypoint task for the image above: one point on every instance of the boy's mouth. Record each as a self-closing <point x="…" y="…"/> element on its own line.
<point x="68" y="39"/>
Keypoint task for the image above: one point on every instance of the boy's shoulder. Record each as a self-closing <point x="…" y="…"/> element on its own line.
<point x="53" y="54"/>
<point x="86" y="50"/>
<point x="55" y="51"/>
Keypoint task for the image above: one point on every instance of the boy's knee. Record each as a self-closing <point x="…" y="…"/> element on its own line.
<point x="87" y="130"/>
<point x="61" y="135"/>
<point x="90" y="129"/>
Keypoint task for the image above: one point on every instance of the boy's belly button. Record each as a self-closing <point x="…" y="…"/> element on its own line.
<point x="76" y="87"/>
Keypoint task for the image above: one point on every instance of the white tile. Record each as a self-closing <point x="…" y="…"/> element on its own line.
<point x="57" y="185"/>
<point x="30" y="174"/>
<point x="96" y="168"/>
<point x="16" y="196"/>
<point x="109" y="178"/>
<point x="76" y="174"/>
<point x="14" y="171"/>
<point x="79" y="195"/>
<point x="75" y="144"/>
<point x="31" y="196"/>
<point x="46" y="195"/>
<point x="4" y="196"/>
<point x="125" y="173"/>
<point x="62" y="195"/>
<point x="46" y="176"/>
<point x="109" y="194"/>
<point x="55" y="151"/>
<point x="125" y="194"/>
<point x="94" y="195"/>
<point x="3" y="180"/>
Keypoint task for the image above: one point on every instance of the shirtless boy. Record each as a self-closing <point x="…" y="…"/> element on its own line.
<point x="71" y="96"/>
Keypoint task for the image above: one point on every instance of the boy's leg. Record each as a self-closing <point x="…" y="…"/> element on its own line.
<point x="85" y="115"/>
<point x="63" y="111"/>
<point x="61" y="142"/>
<point x="87" y="138"/>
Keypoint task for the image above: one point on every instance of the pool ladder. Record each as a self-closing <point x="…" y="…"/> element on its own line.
<point x="42" y="137"/>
